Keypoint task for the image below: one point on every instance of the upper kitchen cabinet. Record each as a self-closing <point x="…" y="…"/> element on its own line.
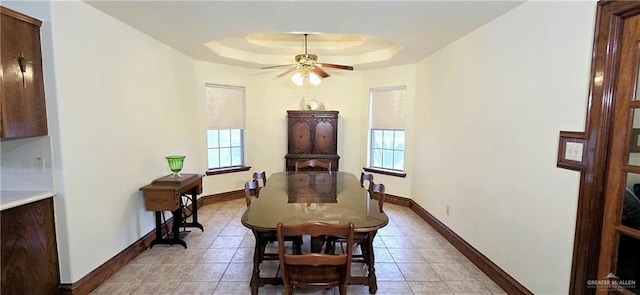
<point x="22" y="104"/>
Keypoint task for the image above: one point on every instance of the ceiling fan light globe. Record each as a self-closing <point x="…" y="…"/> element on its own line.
<point x="297" y="79"/>
<point x="314" y="79"/>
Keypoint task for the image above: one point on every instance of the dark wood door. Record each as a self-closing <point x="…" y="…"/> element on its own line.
<point x="619" y="258"/>
<point x="23" y="108"/>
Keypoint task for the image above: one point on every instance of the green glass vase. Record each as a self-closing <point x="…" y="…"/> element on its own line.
<point x="175" y="164"/>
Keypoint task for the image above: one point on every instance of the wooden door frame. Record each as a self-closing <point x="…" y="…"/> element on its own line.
<point x="604" y="67"/>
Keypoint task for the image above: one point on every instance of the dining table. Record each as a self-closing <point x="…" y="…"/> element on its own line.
<point x="295" y="197"/>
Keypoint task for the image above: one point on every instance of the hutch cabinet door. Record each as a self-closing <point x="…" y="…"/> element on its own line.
<point x="324" y="137"/>
<point x="300" y="141"/>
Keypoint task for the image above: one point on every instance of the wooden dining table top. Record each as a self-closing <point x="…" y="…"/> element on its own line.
<point x="297" y="197"/>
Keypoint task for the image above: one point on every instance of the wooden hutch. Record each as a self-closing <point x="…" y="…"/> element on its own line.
<point x="312" y="135"/>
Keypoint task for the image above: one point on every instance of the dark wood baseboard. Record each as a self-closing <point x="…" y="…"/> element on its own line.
<point x="221" y="197"/>
<point x="499" y="276"/>
<point x="98" y="276"/>
<point x="103" y="272"/>
<point x="401" y="201"/>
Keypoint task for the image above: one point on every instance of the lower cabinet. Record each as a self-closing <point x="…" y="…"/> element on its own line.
<point x="29" y="253"/>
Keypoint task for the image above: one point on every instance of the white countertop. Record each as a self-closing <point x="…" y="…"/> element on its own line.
<point x="10" y="199"/>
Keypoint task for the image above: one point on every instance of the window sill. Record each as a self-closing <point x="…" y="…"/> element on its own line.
<point x="228" y="170"/>
<point x="385" y="172"/>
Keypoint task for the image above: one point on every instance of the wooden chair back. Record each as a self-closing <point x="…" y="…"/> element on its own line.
<point x="315" y="270"/>
<point x="261" y="176"/>
<point x="251" y="188"/>
<point x="377" y="190"/>
<point x="313" y="164"/>
<point x="366" y="176"/>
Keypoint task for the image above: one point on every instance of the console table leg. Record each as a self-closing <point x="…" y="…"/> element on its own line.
<point x="177" y="221"/>
<point x="194" y="210"/>
<point x="194" y="206"/>
<point x="158" y="229"/>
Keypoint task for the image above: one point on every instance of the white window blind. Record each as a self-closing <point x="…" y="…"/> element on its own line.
<point x="225" y="107"/>
<point x="388" y="107"/>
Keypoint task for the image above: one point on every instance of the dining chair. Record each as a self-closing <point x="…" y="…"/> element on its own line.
<point x="251" y="188"/>
<point x="376" y="191"/>
<point x="313" y="164"/>
<point x="366" y="176"/>
<point x="315" y="270"/>
<point x="362" y="238"/>
<point x="261" y="176"/>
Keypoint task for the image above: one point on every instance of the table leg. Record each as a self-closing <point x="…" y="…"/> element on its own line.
<point x="177" y="221"/>
<point x="373" y="283"/>
<point x="173" y="237"/>
<point x="257" y="259"/>
<point x="194" y="210"/>
<point x="316" y="244"/>
<point x="194" y="205"/>
<point x="158" y="229"/>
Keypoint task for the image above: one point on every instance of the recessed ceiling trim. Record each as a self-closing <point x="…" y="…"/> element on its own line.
<point x="267" y="48"/>
<point x="420" y="28"/>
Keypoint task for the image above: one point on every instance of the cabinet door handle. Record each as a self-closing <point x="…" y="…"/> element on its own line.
<point x="22" y="63"/>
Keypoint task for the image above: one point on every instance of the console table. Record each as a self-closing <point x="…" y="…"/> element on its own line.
<point x="165" y="194"/>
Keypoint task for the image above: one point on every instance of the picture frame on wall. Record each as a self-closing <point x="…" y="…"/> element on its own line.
<point x="571" y="150"/>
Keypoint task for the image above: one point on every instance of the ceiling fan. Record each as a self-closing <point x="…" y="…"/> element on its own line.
<point x="308" y="67"/>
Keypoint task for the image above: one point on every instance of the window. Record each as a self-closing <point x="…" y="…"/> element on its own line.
<point x="224" y="147"/>
<point x="225" y="126"/>
<point x="387" y="149"/>
<point x="386" y="126"/>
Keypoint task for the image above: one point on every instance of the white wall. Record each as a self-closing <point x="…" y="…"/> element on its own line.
<point x="119" y="101"/>
<point x="491" y="106"/>
<point x="18" y="170"/>
<point x="267" y="100"/>
<point x="394" y="76"/>
<point x="486" y="111"/>
<point x="124" y="102"/>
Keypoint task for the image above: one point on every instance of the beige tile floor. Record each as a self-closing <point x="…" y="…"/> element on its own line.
<point x="411" y="258"/>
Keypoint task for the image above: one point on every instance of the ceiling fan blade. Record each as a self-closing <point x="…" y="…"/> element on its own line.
<point x="349" y="68"/>
<point x="278" y="66"/>
<point x="287" y="71"/>
<point x="320" y="72"/>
